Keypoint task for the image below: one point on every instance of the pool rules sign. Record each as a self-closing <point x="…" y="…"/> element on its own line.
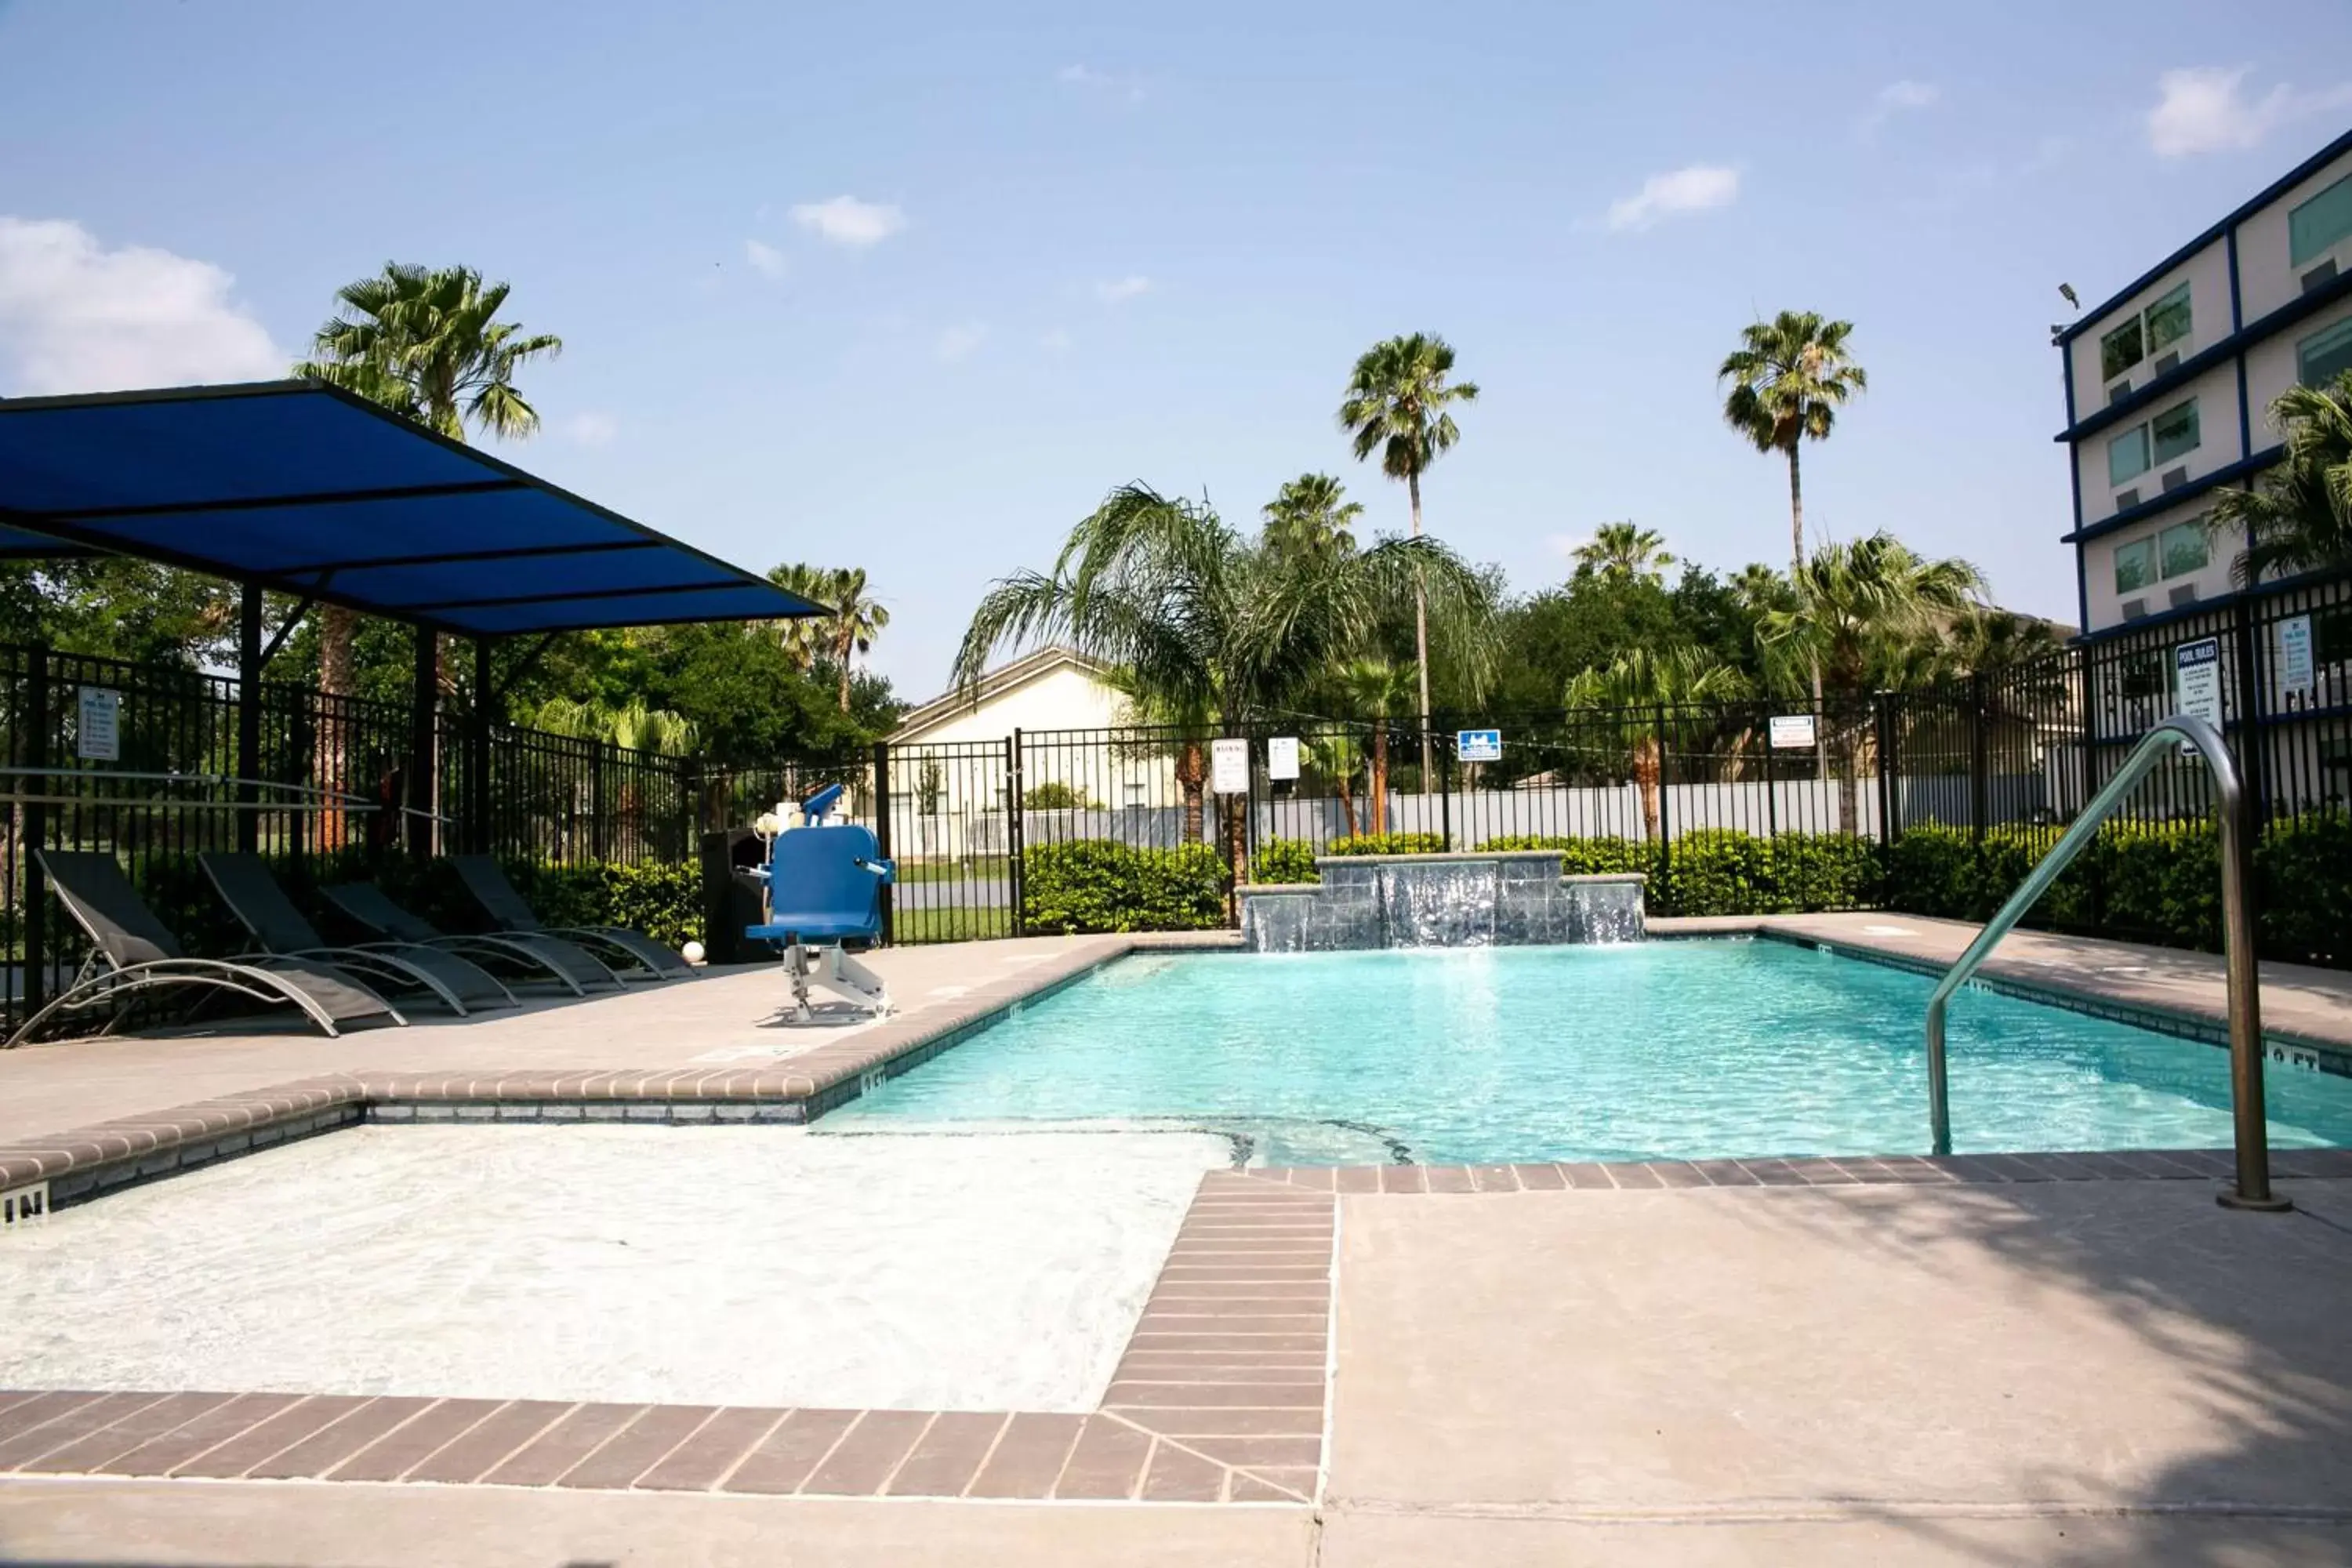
<point x="2196" y="680"/>
<point x="1229" y="767"/>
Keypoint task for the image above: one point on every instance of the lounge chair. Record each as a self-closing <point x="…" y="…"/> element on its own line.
<point x="574" y="968"/>
<point x="254" y="897"/>
<point x="824" y="888"/>
<point x="487" y="880"/>
<point x="131" y="955"/>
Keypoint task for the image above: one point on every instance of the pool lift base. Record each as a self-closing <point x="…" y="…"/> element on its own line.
<point x="830" y="969"/>
<point x="2230" y="1198"/>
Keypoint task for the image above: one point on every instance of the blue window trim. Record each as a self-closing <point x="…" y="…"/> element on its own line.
<point x="2188" y="370"/>
<point x="2268" y="195"/>
<point x="2197" y="486"/>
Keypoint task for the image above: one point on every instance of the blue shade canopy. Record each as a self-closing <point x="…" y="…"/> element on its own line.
<point x="309" y="490"/>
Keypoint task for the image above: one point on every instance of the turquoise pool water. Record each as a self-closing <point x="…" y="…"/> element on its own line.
<point x="1654" y="1050"/>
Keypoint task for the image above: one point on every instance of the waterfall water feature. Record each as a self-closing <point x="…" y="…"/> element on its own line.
<point x="1509" y="898"/>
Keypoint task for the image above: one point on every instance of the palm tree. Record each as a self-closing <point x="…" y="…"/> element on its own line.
<point x="1788" y="378"/>
<point x="1206" y="627"/>
<point x="849" y="627"/>
<point x="1397" y="405"/>
<point x="1623" y="551"/>
<point x="1859" y="605"/>
<point x="1310" y="514"/>
<point x="2297" y="517"/>
<point x="425" y="343"/>
<point x="1375" y="690"/>
<point x="1757" y="588"/>
<point x="1637" y="690"/>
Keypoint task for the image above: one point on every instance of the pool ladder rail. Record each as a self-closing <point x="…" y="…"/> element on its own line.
<point x="2249" y="1124"/>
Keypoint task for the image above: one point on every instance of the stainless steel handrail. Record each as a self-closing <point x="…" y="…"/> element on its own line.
<point x="2250" y="1124"/>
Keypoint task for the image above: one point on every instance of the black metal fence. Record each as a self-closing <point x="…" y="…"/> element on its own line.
<point x="158" y="765"/>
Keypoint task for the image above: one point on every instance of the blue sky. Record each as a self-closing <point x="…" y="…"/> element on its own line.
<point x="911" y="287"/>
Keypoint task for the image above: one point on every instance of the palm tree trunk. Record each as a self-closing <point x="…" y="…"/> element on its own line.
<point x="1379" y="815"/>
<point x="1237" y="836"/>
<point x="1645" y="779"/>
<point x="845" y="686"/>
<point x="1346" y="805"/>
<point x="1419" y="627"/>
<point x="1190" y="772"/>
<point x="1796" y="580"/>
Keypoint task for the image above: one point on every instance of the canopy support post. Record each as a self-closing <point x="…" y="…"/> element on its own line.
<point x="248" y="717"/>
<point x="422" y="834"/>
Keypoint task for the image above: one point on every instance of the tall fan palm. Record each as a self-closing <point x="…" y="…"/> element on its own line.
<point x="2297" y="517"/>
<point x="425" y="343"/>
<point x="1203" y="623"/>
<point x="1638" y="691"/>
<point x="1375" y="690"/>
<point x="1623" y="551"/>
<point x="1859" y="606"/>
<point x="851" y="623"/>
<point x="1397" y="404"/>
<point x="1310" y="515"/>
<point x="1788" y="378"/>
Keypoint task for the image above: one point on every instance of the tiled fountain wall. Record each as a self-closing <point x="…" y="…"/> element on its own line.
<point x="1508" y="899"/>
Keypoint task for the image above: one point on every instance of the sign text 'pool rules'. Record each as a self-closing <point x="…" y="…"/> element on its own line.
<point x="1229" y="767"/>
<point x="98" y="736"/>
<point x="2197" y="681"/>
<point x="1791" y="730"/>
<point x="1478" y="745"/>
<point x="1281" y="757"/>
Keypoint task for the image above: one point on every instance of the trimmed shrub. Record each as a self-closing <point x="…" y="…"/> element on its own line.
<point x="1284" y="860"/>
<point x="1723" y="871"/>
<point x="1097" y="885"/>
<point x="1387" y="844"/>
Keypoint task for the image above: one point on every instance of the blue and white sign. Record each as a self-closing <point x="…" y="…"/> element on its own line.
<point x="2294" y="654"/>
<point x="2196" y="680"/>
<point x="1478" y="745"/>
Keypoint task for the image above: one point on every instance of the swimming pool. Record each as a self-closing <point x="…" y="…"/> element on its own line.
<point x="1686" y="1049"/>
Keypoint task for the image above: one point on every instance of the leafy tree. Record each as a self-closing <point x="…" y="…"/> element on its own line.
<point x="636" y="728"/>
<point x="853" y="620"/>
<point x="1788" y="378"/>
<point x="1310" y="515"/>
<point x="1618" y="550"/>
<point x="427" y="343"/>
<point x="1637" y="692"/>
<point x="1860" y="605"/>
<point x="2298" y="516"/>
<point x="1378" y="692"/>
<point x="1397" y="404"/>
<point x="1203" y="623"/>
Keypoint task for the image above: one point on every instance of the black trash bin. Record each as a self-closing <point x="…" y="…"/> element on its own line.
<point x="732" y="896"/>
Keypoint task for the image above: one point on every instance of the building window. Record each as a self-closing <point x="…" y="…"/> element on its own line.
<point x="2326" y="354"/>
<point x="2183" y="548"/>
<point x="2127" y="455"/>
<point x="2135" y="565"/>
<point x="2175" y="431"/>
<point x="2120" y="350"/>
<point x="2320" y="224"/>
<point x="2167" y="320"/>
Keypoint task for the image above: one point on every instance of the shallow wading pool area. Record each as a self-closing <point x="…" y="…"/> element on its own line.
<point x="1687" y="1049"/>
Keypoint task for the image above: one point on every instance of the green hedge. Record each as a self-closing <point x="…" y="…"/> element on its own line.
<point x="1097" y="885"/>
<point x="1387" y="844"/>
<point x="1284" y="860"/>
<point x="2147" y="881"/>
<point x="1721" y="871"/>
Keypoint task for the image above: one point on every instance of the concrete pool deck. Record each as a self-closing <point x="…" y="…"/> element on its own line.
<point x="2083" y="1362"/>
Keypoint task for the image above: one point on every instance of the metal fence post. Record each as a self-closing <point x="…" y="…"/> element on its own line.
<point x="1444" y="771"/>
<point x="248" y="718"/>
<point x="1015" y="835"/>
<point x="422" y="805"/>
<point x="1883" y="716"/>
<point x="478" y="754"/>
<point x="600" y="832"/>
<point x="1665" y="820"/>
<point x="882" y="835"/>
<point x="1979" y="761"/>
<point x="2252" y="741"/>
<point x="36" y="824"/>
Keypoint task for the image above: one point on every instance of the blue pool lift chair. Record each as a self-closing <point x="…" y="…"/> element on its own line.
<point x="824" y="888"/>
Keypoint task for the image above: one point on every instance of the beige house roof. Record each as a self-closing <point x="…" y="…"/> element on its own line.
<point x="999" y="682"/>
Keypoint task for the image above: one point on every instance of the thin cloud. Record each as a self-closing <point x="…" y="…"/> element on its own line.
<point x="1124" y="85"/>
<point x="591" y="428"/>
<point x="1055" y="342"/>
<point x="1698" y="188"/>
<point x="845" y="220"/>
<point x="2207" y="109"/>
<point x="1905" y="97"/>
<point x="959" y="342"/>
<point x="765" y="260"/>
<point x="77" y="317"/>
<point x="1119" y="290"/>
